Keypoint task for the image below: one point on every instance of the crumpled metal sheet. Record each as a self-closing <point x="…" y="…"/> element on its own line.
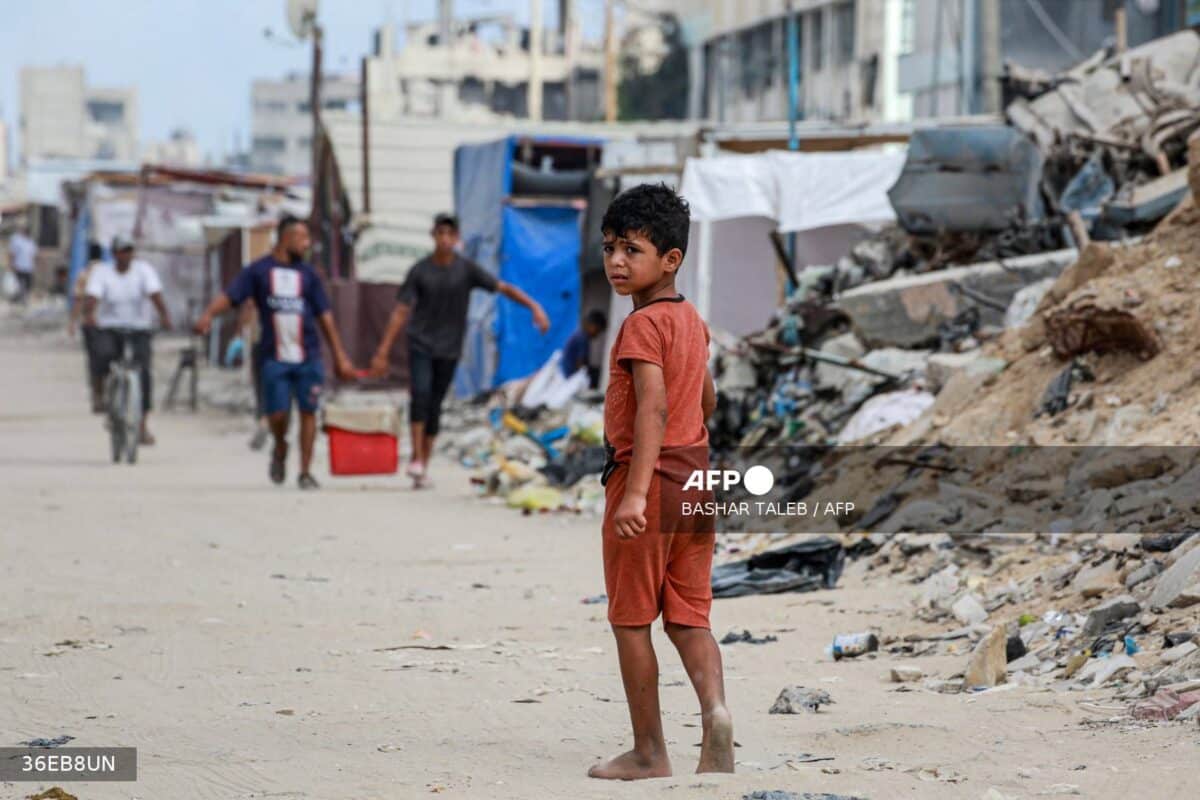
<point x="968" y="178"/>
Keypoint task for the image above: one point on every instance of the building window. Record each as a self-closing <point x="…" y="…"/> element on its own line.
<point x="844" y="21"/>
<point x="304" y="107"/>
<point x="108" y="112"/>
<point x="270" y="106"/>
<point x="817" y="26"/>
<point x="908" y="27"/>
<point x="757" y="59"/>
<point x="269" y="144"/>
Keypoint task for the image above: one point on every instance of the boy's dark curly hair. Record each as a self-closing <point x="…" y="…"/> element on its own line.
<point x="653" y="210"/>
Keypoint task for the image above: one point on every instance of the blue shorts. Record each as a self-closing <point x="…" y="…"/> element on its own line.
<point x="282" y="381"/>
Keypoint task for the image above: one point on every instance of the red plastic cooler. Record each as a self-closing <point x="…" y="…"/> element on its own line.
<point x="363" y="441"/>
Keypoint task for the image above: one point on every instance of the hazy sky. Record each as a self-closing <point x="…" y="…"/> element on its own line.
<point x="192" y="61"/>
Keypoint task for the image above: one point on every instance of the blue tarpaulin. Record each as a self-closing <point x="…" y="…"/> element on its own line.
<point x="540" y="254"/>
<point x="482" y="177"/>
<point x="79" y="250"/>
<point x="534" y="247"/>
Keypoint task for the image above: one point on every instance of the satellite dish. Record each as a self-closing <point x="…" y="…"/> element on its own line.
<point x="302" y="16"/>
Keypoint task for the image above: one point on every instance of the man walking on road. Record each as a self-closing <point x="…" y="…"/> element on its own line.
<point x="119" y="297"/>
<point x="433" y="302"/>
<point x="291" y="303"/>
<point x="22" y="251"/>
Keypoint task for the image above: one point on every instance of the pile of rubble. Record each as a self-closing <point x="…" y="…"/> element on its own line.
<point x="1117" y="611"/>
<point x="1097" y="152"/>
<point x="1113" y="131"/>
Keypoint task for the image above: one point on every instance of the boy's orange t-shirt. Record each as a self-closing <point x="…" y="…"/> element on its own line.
<point x="671" y="334"/>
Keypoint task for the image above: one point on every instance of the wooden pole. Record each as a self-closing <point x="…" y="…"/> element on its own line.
<point x="1120" y="30"/>
<point x="364" y="95"/>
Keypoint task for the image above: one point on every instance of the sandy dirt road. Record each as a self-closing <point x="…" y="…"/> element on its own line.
<point x="241" y="637"/>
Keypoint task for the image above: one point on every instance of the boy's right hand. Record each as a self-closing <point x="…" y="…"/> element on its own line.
<point x="630" y="517"/>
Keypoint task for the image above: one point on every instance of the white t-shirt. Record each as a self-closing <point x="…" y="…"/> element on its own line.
<point x="23" y="250"/>
<point x="123" y="298"/>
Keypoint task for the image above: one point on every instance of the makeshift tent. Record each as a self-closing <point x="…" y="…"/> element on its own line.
<point x="830" y="199"/>
<point x="529" y="240"/>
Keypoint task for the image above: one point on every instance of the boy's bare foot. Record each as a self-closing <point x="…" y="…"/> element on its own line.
<point x="633" y="766"/>
<point x="716" y="747"/>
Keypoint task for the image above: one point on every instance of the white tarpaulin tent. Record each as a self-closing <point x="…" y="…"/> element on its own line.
<point x="801" y="191"/>
<point x="830" y="199"/>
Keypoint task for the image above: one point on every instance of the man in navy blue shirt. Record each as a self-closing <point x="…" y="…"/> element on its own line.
<point x="291" y="303"/>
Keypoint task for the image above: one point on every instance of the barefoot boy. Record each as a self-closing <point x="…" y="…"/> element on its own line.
<point x="655" y="560"/>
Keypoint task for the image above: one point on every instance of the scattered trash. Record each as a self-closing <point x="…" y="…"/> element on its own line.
<point x="1057" y="396"/>
<point x="733" y="637"/>
<point x="57" y="741"/>
<point x="535" y="498"/>
<point x="850" y="645"/>
<point x="1165" y="705"/>
<point x="802" y="567"/>
<point x="797" y="699"/>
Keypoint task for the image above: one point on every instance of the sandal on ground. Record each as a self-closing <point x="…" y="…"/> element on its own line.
<point x="307" y="481"/>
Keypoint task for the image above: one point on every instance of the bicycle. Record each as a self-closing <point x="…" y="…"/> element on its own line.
<point x="123" y="399"/>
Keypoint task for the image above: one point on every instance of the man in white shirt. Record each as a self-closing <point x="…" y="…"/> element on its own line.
<point x="22" y="251"/>
<point x="119" y="299"/>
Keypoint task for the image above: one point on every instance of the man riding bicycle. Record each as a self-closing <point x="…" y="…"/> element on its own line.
<point x="119" y="297"/>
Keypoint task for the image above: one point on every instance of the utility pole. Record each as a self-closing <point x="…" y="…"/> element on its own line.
<point x="534" y="93"/>
<point x="610" y="62"/>
<point x="314" y="101"/>
<point x="793" y="55"/>
<point x="793" y="52"/>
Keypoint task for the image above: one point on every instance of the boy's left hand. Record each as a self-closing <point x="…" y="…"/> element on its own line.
<point x="630" y="516"/>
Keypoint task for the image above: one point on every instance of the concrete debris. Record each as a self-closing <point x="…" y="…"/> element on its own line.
<point x="904" y="311"/>
<point x="988" y="665"/>
<point x="1108" y="612"/>
<point x="798" y="700"/>
<point x="905" y="674"/>
<point x="1026" y="663"/>
<point x="1177" y="587"/>
<point x="1178" y="652"/>
<point x="969" y="610"/>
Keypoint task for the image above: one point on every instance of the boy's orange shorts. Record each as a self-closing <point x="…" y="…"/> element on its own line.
<point x="668" y="568"/>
